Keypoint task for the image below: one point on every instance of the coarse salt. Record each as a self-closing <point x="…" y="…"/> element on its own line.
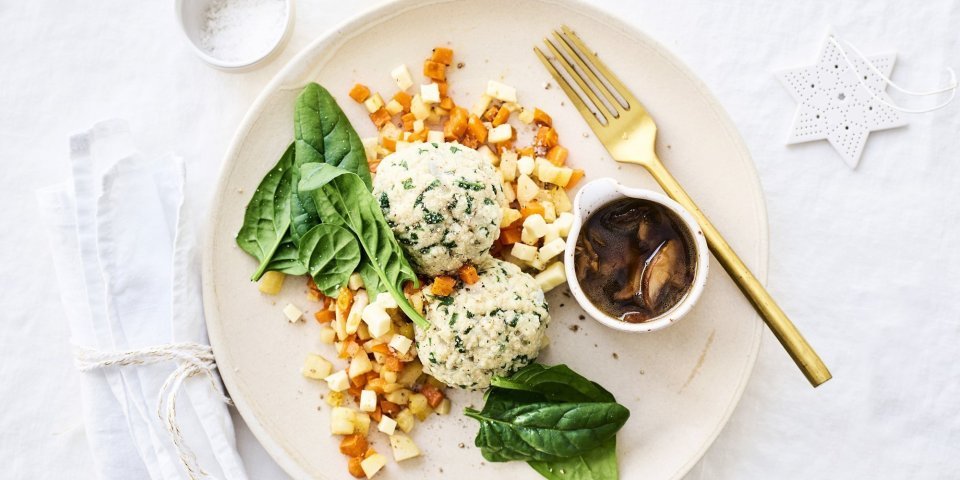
<point x="235" y="30"/>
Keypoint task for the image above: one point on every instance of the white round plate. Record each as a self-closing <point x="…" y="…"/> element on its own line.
<point x="680" y="384"/>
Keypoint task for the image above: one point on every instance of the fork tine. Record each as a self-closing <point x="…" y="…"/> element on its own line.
<point x="572" y="71"/>
<point x="578" y="102"/>
<point x="577" y="57"/>
<point x="591" y="56"/>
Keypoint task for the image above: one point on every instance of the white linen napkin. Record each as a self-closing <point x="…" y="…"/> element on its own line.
<point x="126" y="260"/>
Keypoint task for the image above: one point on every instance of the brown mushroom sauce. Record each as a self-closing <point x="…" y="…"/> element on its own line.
<point x="634" y="259"/>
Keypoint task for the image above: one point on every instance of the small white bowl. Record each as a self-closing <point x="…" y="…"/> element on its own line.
<point x="191" y="16"/>
<point x="597" y="194"/>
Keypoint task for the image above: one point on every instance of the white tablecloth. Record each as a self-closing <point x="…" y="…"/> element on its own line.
<point x="866" y="262"/>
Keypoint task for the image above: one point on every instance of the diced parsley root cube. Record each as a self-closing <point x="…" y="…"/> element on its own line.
<point x="393" y="107"/>
<point x="526" y="189"/>
<point x="403" y="447"/>
<point x="377" y="320"/>
<point x="534" y="228"/>
<point x="510" y="215"/>
<point x="338" y="381"/>
<point x="481" y="105"/>
<point x="271" y="282"/>
<point x="564" y="222"/>
<point x="334" y="399"/>
<point x="500" y="133"/>
<point x="489" y="155"/>
<point x="368" y="400"/>
<point x="549" y="211"/>
<point x="418" y="406"/>
<point x="361" y="422"/>
<point x="551" y="277"/>
<point x="327" y="335"/>
<point x="562" y="176"/>
<point x="501" y="92"/>
<point x="430" y="93"/>
<point x="410" y="373"/>
<point x="552" y="249"/>
<point x="316" y="367"/>
<point x="360" y="301"/>
<point x="387" y="425"/>
<point x="360" y="364"/>
<point x="435" y="136"/>
<point x="401" y="75"/>
<point x="538" y="263"/>
<point x="553" y="233"/>
<point x="373" y="103"/>
<point x="372" y="464"/>
<point x="525" y="165"/>
<point x="292" y="313"/>
<point x="444" y="407"/>
<point x="509" y="166"/>
<point x="341" y="421"/>
<point x="419" y="108"/>
<point x="405" y="420"/>
<point x="509" y="194"/>
<point x="400" y="397"/>
<point x="400" y="344"/>
<point x="355" y="282"/>
<point x="524" y="252"/>
<point x="526" y="116"/>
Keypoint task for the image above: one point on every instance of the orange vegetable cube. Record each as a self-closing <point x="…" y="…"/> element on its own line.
<point x="376" y="384"/>
<point x="354" y="445"/>
<point x="433" y="394"/>
<point x="443" y="286"/>
<point x="541" y="118"/>
<point x="442" y="87"/>
<point x="490" y="113"/>
<point x="324" y="316"/>
<point x="532" y="208"/>
<point x="373" y="166"/>
<point x="525" y="152"/>
<point x="468" y="274"/>
<point x="404" y="99"/>
<point x="381" y="348"/>
<point x="376" y="414"/>
<point x="510" y="235"/>
<point x="407" y="119"/>
<point x="501" y="116"/>
<point x="380" y="117"/>
<point x="344" y="301"/>
<point x="446" y="103"/>
<point x="546" y="137"/>
<point x="435" y="70"/>
<point x="557" y="155"/>
<point x="359" y="93"/>
<point x="393" y="364"/>
<point x="456" y="124"/>
<point x="419" y="136"/>
<point x="476" y="129"/>
<point x="442" y="55"/>
<point x="389" y="143"/>
<point x="389" y="408"/>
<point x="353" y="466"/>
<point x="574" y="178"/>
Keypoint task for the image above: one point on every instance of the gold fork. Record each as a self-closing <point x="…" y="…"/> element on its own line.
<point x="629" y="134"/>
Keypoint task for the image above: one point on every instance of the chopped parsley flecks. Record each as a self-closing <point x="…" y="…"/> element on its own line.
<point x="408" y="184"/>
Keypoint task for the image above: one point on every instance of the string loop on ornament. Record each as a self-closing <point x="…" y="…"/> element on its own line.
<point x="951" y="86"/>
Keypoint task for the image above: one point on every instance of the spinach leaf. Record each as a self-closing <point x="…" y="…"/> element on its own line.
<point x="557" y="383"/>
<point x="264" y="234"/>
<point x="547" y="431"/>
<point x="330" y="254"/>
<point x="597" y="464"/>
<point x="323" y="135"/>
<point x="343" y="199"/>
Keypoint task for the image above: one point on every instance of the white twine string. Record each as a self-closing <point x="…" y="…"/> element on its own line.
<point x="193" y="359"/>
<point x="950" y="87"/>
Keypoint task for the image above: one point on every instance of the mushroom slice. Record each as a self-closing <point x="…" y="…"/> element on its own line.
<point x="665" y="266"/>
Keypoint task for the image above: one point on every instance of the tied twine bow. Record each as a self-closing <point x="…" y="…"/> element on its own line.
<point x="193" y="359"/>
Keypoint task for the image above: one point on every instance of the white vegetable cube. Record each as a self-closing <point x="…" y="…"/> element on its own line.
<point x="360" y="364"/>
<point x="549" y="211"/>
<point x="527" y="190"/>
<point x="355" y="282"/>
<point x="444" y="407"/>
<point x="501" y="92"/>
<point x="562" y="176"/>
<point x="508" y="167"/>
<point x="525" y="165"/>
<point x="368" y="400"/>
<point x="360" y="301"/>
<point x="361" y="422"/>
<point x="401" y="145"/>
<point x="341" y="421"/>
<point x="327" y="335"/>
<point x="391" y="131"/>
<point x="564" y="222"/>
<point x="316" y="367"/>
<point x="374" y="103"/>
<point x="386" y="300"/>
<point x="538" y="263"/>
<point x="405" y="420"/>
<point x="400" y="344"/>
<point x="394" y="107"/>
<point x="551" y="277"/>
<point x="489" y="155"/>
<point x="509" y="194"/>
<point x="292" y="313"/>
<point x="524" y="252"/>
<point x="271" y="283"/>
<point x="401" y="75"/>
<point x="370" y="145"/>
<point x="561" y="201"/>
<point x="338" y="381"/>
<point x="435" y="136"/>
<point x="372" y="464"/>
<point x="387" y="425"/>
<point x="510" y="215"/>
<point x="534" y="228"/>
<point x="526" y="116"/>
<point x="553" y="233"/>
<point x="418" y="126"/>
<point x="552" y="249"/>
<point x="500" y="133"/>
<point x="481" y="105"/>
<point x="403" y="447"/>
<point x="430" y="93"/>
<point x="419" y="108"/>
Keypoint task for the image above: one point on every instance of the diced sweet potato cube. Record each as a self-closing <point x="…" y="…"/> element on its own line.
<point x="476" y="129"/>
<point x="531" y="208"/>
<point x="389" y="408"/>
<point x="354" y="445"/>
<point x="442" y="55"/>
<point x="353" y="466"/>
<point x="468" y="274"/>
<point x="470" y="141"/>
<point x="557" y="155"/>
<point x="546" y="137"/>
<point x="510" y="235"/>
<point x="404" y="99"/>
<point x="502" y="116"/>
<point x="541" y="118"/>
<point x="419" y="136"/>
<point x="393" y="364"/>
<point x="376" y="384"/>
<point x="355" y="393"/>
<point x="377" y="414"/>
<point x="324" y="316"/>
<point x="381" y="348"/>
<point x="435" y="70"/>
<point x="442" y="88"/>
<point x="359" y="381"/>
<point x="359" y="93"/>
<point x="389" y="144"/>
<point x="373" y="166"/>
<point x="525" y="152"/>
<point x="446" y="103"/>
<point x="433" y="394"/>
<point x="380" y="117"/>
<point x="490" y="113"/>
<point x="456" y="124"/>
<point x="574" y="178"/>
<point x="407" y="119"/>
<point x="344" y="301"/>
<point x="443" y="286"/>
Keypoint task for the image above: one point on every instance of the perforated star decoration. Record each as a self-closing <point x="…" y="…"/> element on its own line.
<point x="835" y="106"/>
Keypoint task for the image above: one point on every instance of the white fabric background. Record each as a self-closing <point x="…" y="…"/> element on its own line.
<point x="866" y="262"/>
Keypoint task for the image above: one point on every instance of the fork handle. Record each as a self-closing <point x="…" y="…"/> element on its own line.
<point x="802" y="353"/>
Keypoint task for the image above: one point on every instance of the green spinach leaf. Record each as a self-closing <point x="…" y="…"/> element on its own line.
<point x="342" y="199"/>
<point x="323" y="134"/>
<point x="547" y="431"/>
<point x="597" y="464"/>
<point x="557" y="383"/>
<point x="265" y="231"/>
<point x="331" y="254"/>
